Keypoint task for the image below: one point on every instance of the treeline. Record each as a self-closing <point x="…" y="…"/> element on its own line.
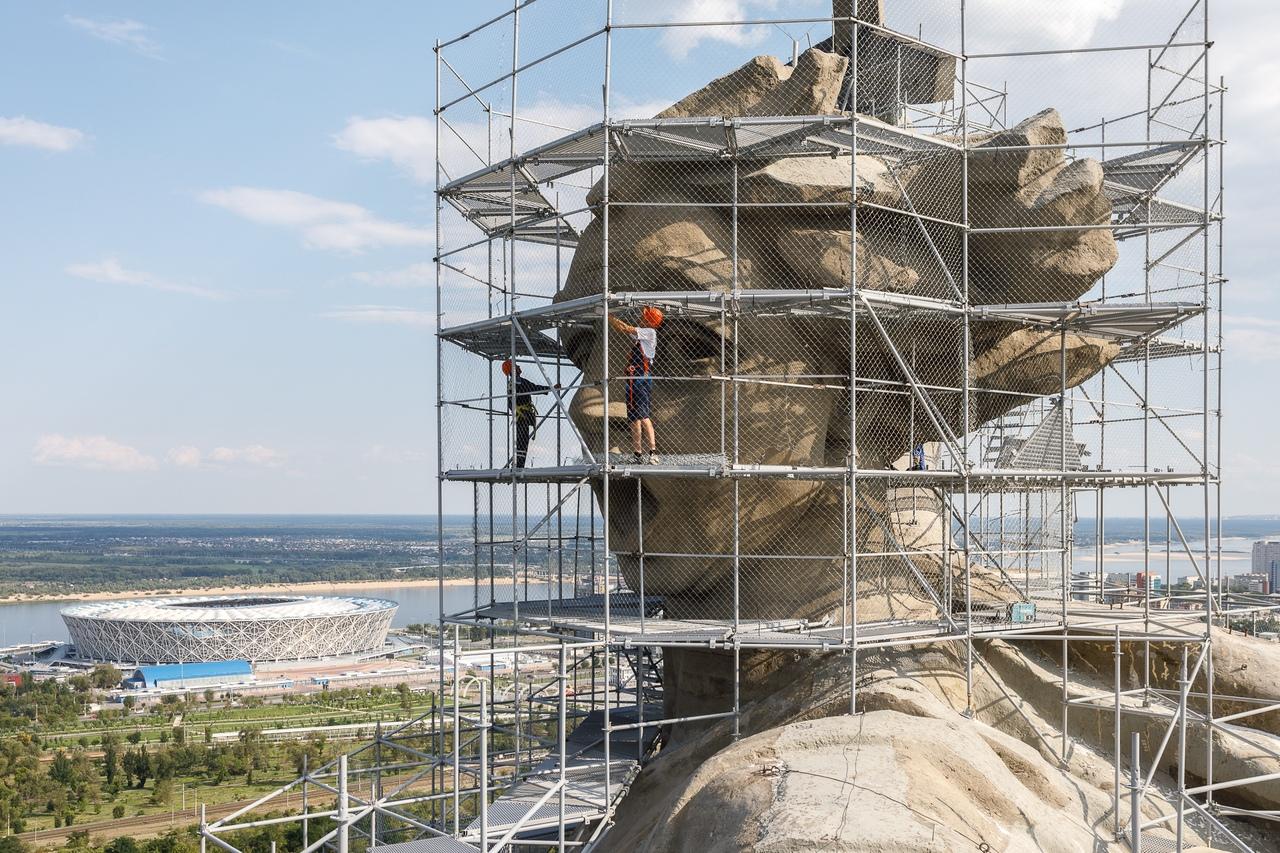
<point x="78" y="786"/>
<point x="50" y="703"/>
<point x="132" y="576"/>
<point x="285" y="836"/>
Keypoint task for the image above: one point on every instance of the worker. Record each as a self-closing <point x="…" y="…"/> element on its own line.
<point x="520" y="394"/>
<point x="917" y="458"/>
<point x="644" y="346"/>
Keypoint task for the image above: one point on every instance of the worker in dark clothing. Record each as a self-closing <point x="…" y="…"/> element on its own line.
<point x="520" y="394"/>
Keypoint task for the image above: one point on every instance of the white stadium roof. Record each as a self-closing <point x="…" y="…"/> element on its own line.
<point x="228" y="627"/>
<point x="228" y="608"/>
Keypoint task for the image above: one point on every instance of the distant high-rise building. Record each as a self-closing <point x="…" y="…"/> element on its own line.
<point x="1266" y="560"/>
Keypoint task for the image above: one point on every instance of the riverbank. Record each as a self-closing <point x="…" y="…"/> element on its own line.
<point x="311" y="587"/>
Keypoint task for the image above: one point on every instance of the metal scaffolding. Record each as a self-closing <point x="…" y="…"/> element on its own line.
<point x="588" y="564"/>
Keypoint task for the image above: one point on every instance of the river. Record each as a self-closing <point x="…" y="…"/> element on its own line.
<point x="40" y="620"/>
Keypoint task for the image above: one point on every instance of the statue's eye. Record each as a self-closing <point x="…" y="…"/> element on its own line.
<point x="690" y="340"/>
<point x="577" y="345"/>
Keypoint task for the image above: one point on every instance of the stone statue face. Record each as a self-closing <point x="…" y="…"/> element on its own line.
<point x="780" y="423"/>
<point x="790" y="405"/>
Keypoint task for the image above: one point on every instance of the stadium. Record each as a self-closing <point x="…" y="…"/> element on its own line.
<point x="254" y="628"/>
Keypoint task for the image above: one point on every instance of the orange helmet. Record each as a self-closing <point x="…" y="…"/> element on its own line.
<point x="507" y="367"/>
<point x="651" y="317"/>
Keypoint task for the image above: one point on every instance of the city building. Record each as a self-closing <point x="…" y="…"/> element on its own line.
<point x="1253" y="582"/>
<point x="1266" y="560"/>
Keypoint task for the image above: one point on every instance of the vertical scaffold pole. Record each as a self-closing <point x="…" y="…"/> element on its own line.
<point x="1115" y="746"/>
<point x="1135" y="794"/>
<point x="1183" y="687"/>
<point x="440" y="558"/>
<point x="1209" y="577"/>
<point x="640" y="649"/>
<point x="1145" y="593"/>
<point x="604" y="379"/>
<point x="851" y="520"/>
<point x="306" y="804"/>
<point x="1064" y="530"/>
<point x="964" y="274"/>
<point x="457" y="736"/>
<point x="1100" y="521"/>
<point x="484" y="765"/>
<point x="562" y="711"/>
<point x="344" y="807"/>
<point x="509" y="281"/>
<point x="736" y="286"/>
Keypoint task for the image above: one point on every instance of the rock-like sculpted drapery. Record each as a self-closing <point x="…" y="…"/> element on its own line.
<point x="912" y="772"/>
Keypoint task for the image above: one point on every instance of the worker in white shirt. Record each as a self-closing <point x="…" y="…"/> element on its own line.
<point x="644" y="347"/>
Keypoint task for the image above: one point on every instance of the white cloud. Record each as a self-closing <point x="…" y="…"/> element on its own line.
<point x="398" y="456"/>
<point x="679" y="42"/>
<point x="124" y="31"/>
<point x="254" y="455"/>
<point x="20" y="130"/>
<point x="185" y="456"/>
<point x="1253" y="339"/>
<point x="386" y="315"/>
<point x="407" y="141"/>
<point x="109" y="270"/>
<point x="323" y="223"/>
<point x="414" y="275"/>
<point x="96" y="452"/>
<point x="1068" y="25"/>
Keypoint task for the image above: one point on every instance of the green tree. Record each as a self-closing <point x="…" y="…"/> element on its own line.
<point x="406" y="696"/>
<point x="253" y="751"/>
<point x="175" y="841"/>
<point x="105" y="676"/>
<point x="123" y="844"/>
<point x="163" y="791"/>
<point x="110" y="758"/>
<point x="137" y="765"/>
<point x="61" y="769"/>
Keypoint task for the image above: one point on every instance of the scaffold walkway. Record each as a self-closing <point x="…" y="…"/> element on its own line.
<point x="711" y="466"/>
<point x="531" y="807"/>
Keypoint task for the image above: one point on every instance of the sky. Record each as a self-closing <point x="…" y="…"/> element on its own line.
<point x="216" y="290"/>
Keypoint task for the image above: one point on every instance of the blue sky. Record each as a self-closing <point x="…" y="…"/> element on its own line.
<point x="218" y="222"/>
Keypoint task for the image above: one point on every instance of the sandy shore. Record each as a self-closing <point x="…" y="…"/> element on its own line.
<point x="311" y="587"/>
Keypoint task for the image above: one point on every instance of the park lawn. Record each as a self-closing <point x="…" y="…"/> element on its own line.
<point x="199" y="789"/>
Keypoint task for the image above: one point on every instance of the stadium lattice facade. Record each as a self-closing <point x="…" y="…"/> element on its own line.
<point x="253" y="628"/>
